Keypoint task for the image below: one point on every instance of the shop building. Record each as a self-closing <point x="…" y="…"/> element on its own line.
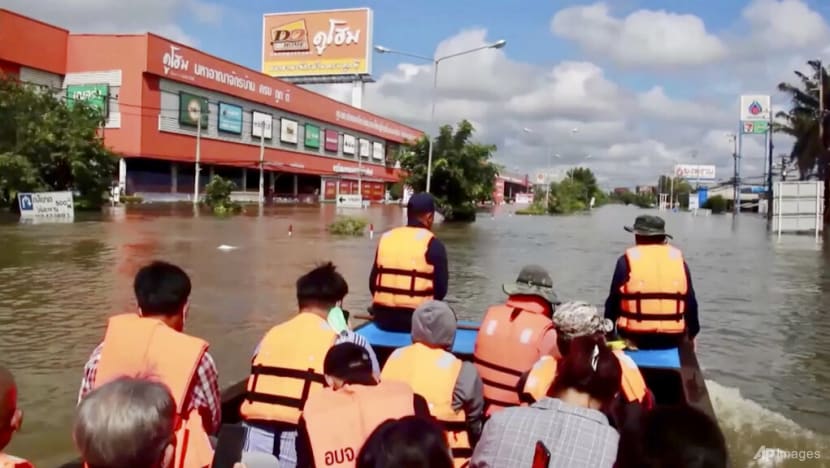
<point x="508" y="185"/>
<point x="168" y="105"/>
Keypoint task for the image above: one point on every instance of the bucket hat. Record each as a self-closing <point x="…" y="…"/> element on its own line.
<point x="648" y="225"/>
<point x="533" y="280"/>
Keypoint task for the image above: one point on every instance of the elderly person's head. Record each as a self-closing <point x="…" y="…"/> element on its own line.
<point x="577" y="318"/>
<point x="434" y="324"/>
<point x="127" y="422"/>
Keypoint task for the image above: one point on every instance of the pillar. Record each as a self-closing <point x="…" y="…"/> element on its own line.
<point x="271" y="180"/>
<point x="122" y="175"/>
<point x="211" y="172"/>
<point x="244" y="179"/>
<point x="357" y="97"/>
<point x="174" y="178"/>
<point x="322" y="188"/>
<point x="295" y="184"/>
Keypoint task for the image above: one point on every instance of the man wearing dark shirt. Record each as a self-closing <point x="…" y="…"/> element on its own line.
<point x="392" y="307"/>
<point x="650" y="231"/>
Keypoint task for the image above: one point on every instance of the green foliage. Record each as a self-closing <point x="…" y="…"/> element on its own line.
<point x="574" y="192"/>
<point x="396" y="191"/>
<point x="717" y="204"/>
<point x="131" y="200"/>
<point x="218" y="196"/>
<point x="462" y="171"/>
<point x="681" y="189"/>
<point x="642" y="200"/>
<point x="45" y="145"/>
<point x="348" y="226"/>
<point x="535" y="209"/>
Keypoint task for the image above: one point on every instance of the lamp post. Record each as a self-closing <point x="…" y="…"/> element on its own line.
<point x="435" y="62"/>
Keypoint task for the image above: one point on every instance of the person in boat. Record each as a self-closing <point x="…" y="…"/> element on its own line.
<point x="514" y="335"/>
<point x="568" y="421"/>
<point x="127" y="422"/>
<point x="339" y="419"/>
<point x="287" y="366"/>
<point x="410" y="268"/>
<point x="152" y="343"/>
<point x="452" y="387"/>
<point x="576" y="319"/>
<point x="11" y="418"/>
<point x="407" y="442"/>
<point x="340" y="321"/>
<point x="652" y="300"/>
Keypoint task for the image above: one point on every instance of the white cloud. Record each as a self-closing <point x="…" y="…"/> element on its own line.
<point x="784" y="25"/>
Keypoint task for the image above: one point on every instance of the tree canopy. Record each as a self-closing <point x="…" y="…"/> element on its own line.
<point x="463" y="172"/>
<point x="573" y="193"/>
<point x="46" y="145"/>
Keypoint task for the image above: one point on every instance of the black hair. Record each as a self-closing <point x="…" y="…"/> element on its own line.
<point x="577" y="371"/>
<point x="409" y="442"/>
<point x="323" y="287"/>
<point x="161" y="288"/>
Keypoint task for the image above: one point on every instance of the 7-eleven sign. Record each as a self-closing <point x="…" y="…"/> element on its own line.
<point x="755" y="128"/>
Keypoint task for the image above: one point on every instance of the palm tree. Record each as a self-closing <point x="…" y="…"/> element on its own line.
<point x="804" y="123"/>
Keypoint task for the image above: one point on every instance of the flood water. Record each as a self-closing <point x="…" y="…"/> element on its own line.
<point x="764" y="345"/>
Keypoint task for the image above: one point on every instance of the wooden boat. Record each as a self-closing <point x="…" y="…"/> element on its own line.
<point x="673" y="375"/>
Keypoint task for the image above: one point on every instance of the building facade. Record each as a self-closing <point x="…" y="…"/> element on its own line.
<point x="167" y="105"/>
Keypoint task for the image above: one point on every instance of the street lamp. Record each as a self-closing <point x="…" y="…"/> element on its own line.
<point x="435" y="62"/>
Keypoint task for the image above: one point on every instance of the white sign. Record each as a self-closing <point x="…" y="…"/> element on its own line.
<point x="377" y="151"/>
<point x="349" y="201"/>
<point x="541" y="177"/>
<point x="755" y="107"/>
<point x="45" y="205"/>
<point x="694" y="172"/>
<point x="694" y="202"/>
<point x="524" y="198"/>
<point x="338" y="169"/>
<point x="364" y="148"/>
<point x="262" y="125"/>
<point x="288" y="131"/>
<point x="349" y="144"/>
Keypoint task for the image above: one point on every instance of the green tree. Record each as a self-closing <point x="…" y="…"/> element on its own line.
<point x="804" y="122"/>
<point x="462" y="170"/>
<point x="680" y="189"/>
<point x="45" y="145"/>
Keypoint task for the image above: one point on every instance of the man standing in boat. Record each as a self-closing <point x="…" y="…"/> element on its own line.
<point x="410" y="268"/>
<point x="652" y="300"/>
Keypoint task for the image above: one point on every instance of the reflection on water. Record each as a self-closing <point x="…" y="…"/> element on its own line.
<point x="763" y="340"/>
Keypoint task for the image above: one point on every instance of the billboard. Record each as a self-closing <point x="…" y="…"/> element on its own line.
<point x="377" y="151"/>
<point x="365" y="148"/>
<point x="191" y="108"/>
<point x="288" y="131"/>
<point x="94" y="95"/>
<point x="230" y="118"/>
<point x="331" y="140"/>
<point x="694" y="172"/>
<point x="261" y="125"/>
<point x="312" y="136"/>
<point x="755" y="107"/>
<point x="317" y="43"/>
<point x="349" y="144"/>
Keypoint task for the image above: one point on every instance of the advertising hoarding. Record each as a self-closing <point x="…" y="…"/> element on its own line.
<point x="312" y="136"/>
<point x="191" y="107"/>
<point x="695" y="172"/>
<point x="755" y="127"/>
<point x="377" y="151"/>
<point x="262" y="125"/>
<point x="95" y="96"/>
<point x="288" y="131"/>
<point x="331" y="140"/>
<point x="230" y="118"/>
<point x="46" y="205"/>
<point x="317" y="43"/>
<point x="349" y="144"/>
<point x="365" y="148"/>
<point x="755" y="107"/>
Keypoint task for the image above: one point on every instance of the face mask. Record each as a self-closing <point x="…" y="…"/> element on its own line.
<point x="337" y="319"/>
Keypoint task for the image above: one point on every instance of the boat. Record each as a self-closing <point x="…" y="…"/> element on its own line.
<point x="673" y="375"/>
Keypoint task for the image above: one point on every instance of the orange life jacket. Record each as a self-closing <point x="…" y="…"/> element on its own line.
<point x="654" y="297"/>
<point x="404" y="278"/>
<point x="433" y="373"/>
<point x="9" y="461"/>
<point x="541" y="376"/>
<point x="340" y="421"/>
<point x="145" y="347"/>
<point x="507" y="345"/>
<point x="287" y="369"/>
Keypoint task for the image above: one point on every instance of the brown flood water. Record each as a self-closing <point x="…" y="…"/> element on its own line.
<point x="764" y="343"/>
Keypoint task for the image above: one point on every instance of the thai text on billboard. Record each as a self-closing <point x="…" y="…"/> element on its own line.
<point x="331" y="143"/>
<point x="261" y="125"/>
<point x="230" y="118"/>
<point x="94" y="95"/>
<point x="317" y="43"/>
<point x="312" y="136"/>
<point x="694" y="172"/>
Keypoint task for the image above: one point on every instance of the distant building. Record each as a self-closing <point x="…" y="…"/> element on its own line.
<point x="621" y="190"/>
<point x="646" y="189"/>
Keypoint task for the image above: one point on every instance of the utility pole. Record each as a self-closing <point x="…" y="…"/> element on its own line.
<point x="735" y="190"/>
<point x="824" y="159"/>
<point x="770" y="148"/>
<point x="198" y="159"/>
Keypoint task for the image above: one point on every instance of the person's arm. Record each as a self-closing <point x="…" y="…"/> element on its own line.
<point x="305" y="456"/>
<point x="207" y="398"/>
<point x="437" y="257"/>
<point x="468" y="395"/>
<point x="484" y="453"/>
<point x="373" y="275"/>
<point x="612" y="303"/>
<point x="692" y="317"/>
<point x="90" y="370"/>
<point x="420" y="406"/>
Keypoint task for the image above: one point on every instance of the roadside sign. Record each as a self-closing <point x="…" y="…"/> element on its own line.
<point x="349" y="201"/>
<point x="756" y="127"/>
<point x="755" y="107"/>
<point x="46" y="205"/>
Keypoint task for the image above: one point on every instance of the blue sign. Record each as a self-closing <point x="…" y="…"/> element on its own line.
<point x="230" y="118"/>
<point x="26" y="203"/>
<point x="702" y="196"/>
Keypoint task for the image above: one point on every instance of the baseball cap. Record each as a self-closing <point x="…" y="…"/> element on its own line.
<point x="421" y="203"/>
<point x="347" y="361"/>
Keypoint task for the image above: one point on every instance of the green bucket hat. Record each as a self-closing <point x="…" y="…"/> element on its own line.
<point x="648" y="225"/>
<point x="533" y="280"/>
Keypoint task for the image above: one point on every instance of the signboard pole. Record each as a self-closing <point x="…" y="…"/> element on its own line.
<point x="738" y="155"/>
<point x="262" y="166"/>
<point x="769" y="170"/>
<point x="198" y="159"/>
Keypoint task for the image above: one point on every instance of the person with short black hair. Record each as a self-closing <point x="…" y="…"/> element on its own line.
<point x="337" y="420"/>
<point x="152" y="342"/>
<point x="410" y="268"/>
<point x="409" y="442"/>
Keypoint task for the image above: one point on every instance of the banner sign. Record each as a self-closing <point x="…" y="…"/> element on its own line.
<point x="191" y="107"/>
<point x="365" y="148"/>
<point x="95" y="96"/>
<point x="312" y="136"/>
<point x="755" y="107"/>
<point x="377" y="151"/>
<point x="332" y="138"/>
<point x="261" y="125"/>
<point x="755" y="128"/>
<point x="288" y="131"/>
<point x="46" y="205"/>
<point x="695" y="172"/>
<point x="230" y="118"/>
<point x="349" y="144"/>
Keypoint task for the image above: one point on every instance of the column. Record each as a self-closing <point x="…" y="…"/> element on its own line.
<point x="211" y="172"/>
<point x="244" y="187"/>
<point x="322" y="188"/>
<point x="122" y="175"/>
<point x="357" y="97"/>
<point x="174" y="178"/>
<point x="295" y="184"/>
<point x="271" y="180"/>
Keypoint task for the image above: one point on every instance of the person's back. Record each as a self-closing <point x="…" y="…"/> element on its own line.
<point x="128" y="422"/>
<point x="11" y="418"/>
<point x="409" y="442"/>
<point x="410" y="268"/>
<point x="452" y="387"/>
<point x="514" y="335"/>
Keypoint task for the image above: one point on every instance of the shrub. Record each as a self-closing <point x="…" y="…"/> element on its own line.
<point x="348" y="226"/>
<point x="716" y="203"/>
